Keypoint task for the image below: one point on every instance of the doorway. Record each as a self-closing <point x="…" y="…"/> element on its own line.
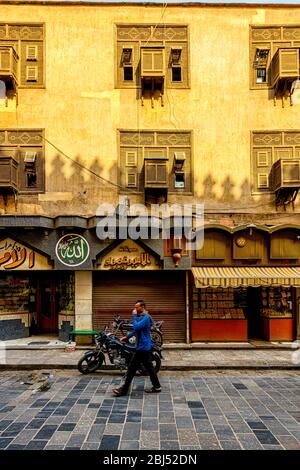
<point x="47" y="317"/>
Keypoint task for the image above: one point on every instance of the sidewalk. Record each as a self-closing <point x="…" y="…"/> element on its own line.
<point x="19" y="354"/>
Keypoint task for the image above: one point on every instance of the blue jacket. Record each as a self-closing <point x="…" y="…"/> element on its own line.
<point x="141" y="329"/>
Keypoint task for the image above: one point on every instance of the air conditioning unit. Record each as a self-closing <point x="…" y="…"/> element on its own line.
<point x="286" y="174"/>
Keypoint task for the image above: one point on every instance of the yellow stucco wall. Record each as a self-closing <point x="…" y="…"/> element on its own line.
<point x="81" y="109"/>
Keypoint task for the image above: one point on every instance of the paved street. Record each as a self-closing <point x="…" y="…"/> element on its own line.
<point x="180" y="359"/>
<point x="207" y="410"/>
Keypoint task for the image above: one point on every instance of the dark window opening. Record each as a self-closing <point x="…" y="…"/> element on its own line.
<point x="128" y="74"/>
<point x="261" y="75"/>
<point x="176" y="74"/>
<point x="179" y="180"/>
<point x="152" y="85"/>
<point x="31" y="176"/>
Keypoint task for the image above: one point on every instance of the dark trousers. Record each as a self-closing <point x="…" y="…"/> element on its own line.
<point x="141" y="357"/>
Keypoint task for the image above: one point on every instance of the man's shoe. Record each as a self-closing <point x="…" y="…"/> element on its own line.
<point x="153" y="390"/>
<point x="119" y="392"/>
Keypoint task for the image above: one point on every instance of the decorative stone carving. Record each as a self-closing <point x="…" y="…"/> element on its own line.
<point x="291" y="33"/>
<point x="25" y="137"/>
<point x="266" y="34"/>
<point x="137" y="138"/>
<point x="170" y="33"/>
<point x="25" y="32"/>
<point x="142" y="33"/>
<point x="173" y="139"/>
<point x="292" y="138"/>
<point x="267" y="138"/>
<point x="134" y="33"/>
<point x="2" y="31"/>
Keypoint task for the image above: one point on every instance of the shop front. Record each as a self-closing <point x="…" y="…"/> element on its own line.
<point x="242" y="303"/>
<point x="34" y="299"/>
<point x="53" y="281"/>
<point x="129" y="272"/>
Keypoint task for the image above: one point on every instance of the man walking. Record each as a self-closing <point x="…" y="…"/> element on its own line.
<point x="141" y="329"/>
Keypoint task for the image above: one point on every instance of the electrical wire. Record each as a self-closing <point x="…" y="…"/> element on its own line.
<point x="84" y="167"/>
<point x="137" y="192"/>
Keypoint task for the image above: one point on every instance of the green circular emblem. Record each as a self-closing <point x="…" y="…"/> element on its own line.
<point x="72" y="249"/>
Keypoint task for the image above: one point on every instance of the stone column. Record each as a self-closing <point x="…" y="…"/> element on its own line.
<point x="83" y="300"/>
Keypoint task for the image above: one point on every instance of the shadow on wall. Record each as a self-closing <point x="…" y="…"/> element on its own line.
<point x="228" y="190"/>
<point x="87" y="182"/>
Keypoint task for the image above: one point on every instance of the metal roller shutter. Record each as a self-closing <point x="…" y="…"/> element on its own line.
<point x="163" y="293"/>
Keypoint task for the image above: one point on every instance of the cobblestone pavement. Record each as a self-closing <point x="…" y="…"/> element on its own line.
<point x="211" y="410"/>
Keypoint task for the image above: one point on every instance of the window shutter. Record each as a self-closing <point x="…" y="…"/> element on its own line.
<point x="131" y="158"/>
<point x="161" y="173"/>
<point x="289" y="61"/>
<point x="261" y="57"/>
<point x="127" y="56"/>
<point x="31" y="73"/>
<point x="155" y="153"/>
<point x="4" y="59"/>
<point x="155" y="174"/>
<point x="131" y="180"/>
<point x="152" y="62"/>
<point x="262" y="180"/>
<point x="262" y="158"/>
<point x="31" y="52"/>
<point x="283" y="153"/>
<point x="285" y="64"/>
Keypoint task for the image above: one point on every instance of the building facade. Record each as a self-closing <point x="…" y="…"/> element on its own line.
<point x="150" y="104"/>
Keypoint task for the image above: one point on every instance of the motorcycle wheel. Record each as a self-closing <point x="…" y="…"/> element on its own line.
<point x="89" y="364"/>
<point x="156" y="361"/>
<point x="156" y="337"/>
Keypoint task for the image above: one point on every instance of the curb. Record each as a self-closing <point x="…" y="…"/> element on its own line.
<point x="11" y="367"/>
<point x="209" y="347"/>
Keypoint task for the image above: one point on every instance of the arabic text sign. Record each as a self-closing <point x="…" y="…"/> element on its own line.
<point x="15" y="256"/>
<point x="72" y="249"/>
<point x="129" y="255"/>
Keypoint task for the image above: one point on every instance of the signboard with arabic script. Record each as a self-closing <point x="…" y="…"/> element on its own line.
<point x="15" y="256"/>
<point x="72" y="250"/>
<point x="129" y="255"/>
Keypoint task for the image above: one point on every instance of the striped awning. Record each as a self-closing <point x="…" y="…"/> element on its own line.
<point x="246" y="276"/>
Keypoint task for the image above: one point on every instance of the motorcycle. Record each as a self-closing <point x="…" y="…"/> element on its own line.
<point x="119" y="354"/>
<point x="123" y="326"/>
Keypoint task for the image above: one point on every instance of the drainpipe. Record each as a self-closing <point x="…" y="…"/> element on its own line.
<point x="187" y="303"/>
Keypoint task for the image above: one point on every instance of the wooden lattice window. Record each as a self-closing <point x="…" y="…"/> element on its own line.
<point x="155" y="159"/>
<point x="267" y="148"/>
<point x="274" y="52"/>
<point x="28" y="43"/>
<point x="150" y="51"/>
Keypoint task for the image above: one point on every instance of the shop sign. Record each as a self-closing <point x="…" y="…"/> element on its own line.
<point x="129" y="256"/>
<point x="72" y="250"/>
<point x="15" y="256"/>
